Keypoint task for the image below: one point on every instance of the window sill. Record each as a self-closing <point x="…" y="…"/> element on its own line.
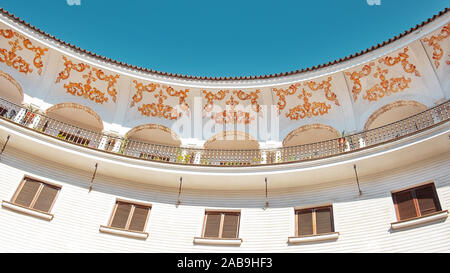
<point x="123" y="232"/>
<point x="217" y="241"/>
<point x="313" y="238"/>
<point x="420" y="220"/>
<point x="26" y="210"/>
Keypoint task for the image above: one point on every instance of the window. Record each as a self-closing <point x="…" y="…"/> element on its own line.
<point x="416" y="202"/>
<point x="223" y="225"/>
<point x="36" y="195"/>
<point x="130" y="216"/>
<point x="314" y="221"/>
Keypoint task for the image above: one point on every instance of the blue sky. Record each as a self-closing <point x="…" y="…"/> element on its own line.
<point x="224" y="38"/>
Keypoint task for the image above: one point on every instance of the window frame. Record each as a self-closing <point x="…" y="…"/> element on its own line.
<point x="222" y="218"/>
<point x="314" y="222"/>
<point x="36" y="195"/>
<point x="130" y="215"/>
<point x="413" y="189"/>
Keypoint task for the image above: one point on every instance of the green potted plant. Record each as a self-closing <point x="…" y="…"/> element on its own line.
<point x="124" y="144"/>
<point x="342" y="139"/>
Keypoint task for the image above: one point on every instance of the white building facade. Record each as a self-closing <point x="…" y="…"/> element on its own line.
<point x="101" y="156"/>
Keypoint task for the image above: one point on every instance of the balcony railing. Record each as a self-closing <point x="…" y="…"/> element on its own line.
<point x="213" y="157"/>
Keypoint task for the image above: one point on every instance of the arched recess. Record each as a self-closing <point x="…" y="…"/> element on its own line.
<point x="232" y="140"/>
<point x="394" y="112"/>
<point x="10" y="89"/>
<point x="310" y="133"/>
<point x="154" y="133"/>
<point x="77" y="115"/>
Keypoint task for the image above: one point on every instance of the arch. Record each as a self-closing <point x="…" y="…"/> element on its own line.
<point x="76" y="114"/>
<point x="232" y="140"/>
<point x="310" y="133"/>
<point x="154" y="133"/>
<point x="10" y="89"/>
<point x="393" y="112"/>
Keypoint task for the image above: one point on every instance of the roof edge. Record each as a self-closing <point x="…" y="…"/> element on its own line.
<point x="230" y="78"/>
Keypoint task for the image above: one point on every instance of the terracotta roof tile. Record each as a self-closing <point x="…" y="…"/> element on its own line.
<point x="155" y="72"/>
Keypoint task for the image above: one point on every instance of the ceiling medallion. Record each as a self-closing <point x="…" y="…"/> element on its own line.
<point x="18" y="43"/>
<point x="306" y="109"/>
<point x="386" y="85"/>
<point x="160" y="109"/>
<point x="434" y="42"/>
<point x="234" y="112"/>
<point x="87" y="89"/>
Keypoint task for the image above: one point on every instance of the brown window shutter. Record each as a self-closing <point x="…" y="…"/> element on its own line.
<point x="139" y="218"/>
<point x="427" y="200"/>
<point x="27" y="193"/>
<point x="305" y="224"/>
<point x="230" y="226"/>
<point x="405" y="205"/>
<point x="212" y="225"/>
<point x="46" y="198"/>
<point x="121" y="215"/>
<point x="324" y="220"/>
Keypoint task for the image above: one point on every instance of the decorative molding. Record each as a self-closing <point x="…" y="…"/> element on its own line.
<point x="160" y="109"/>
<point x="12" y="81"/>
<point x="387" y="84"/>
<point x="87" y="89"/>
<point x="306" y="109"/>
<point x="75" y="106"/>
<point x="230" y="135"/>
<point x="391" y="106"/>
<point x="153" y="127"/>
<point x="17" y="43"/>
<point x="433" y="41"/>
<point x="308" y="127"/>
<point x="231" y="115"/>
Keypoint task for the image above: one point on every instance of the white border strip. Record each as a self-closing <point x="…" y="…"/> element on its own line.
<point x="313" y="238"/>
<point x="422" y="220"/>
<point x="209" y="241"/>
<point x="134" y="234"/>
<point x="28" y="211"/>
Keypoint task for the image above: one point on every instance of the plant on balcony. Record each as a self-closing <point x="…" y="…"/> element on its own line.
<point x="342" y="140"/>
<point x="124" y="144"/>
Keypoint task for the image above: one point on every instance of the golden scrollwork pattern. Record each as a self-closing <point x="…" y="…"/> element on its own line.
<point x="87" y="89"/>
<point x="380" y="70"/>
<point x="434" y="41"/>
<point x="234" y="112"/>
<point x="306" y="109"/>
<point x="18" y="43"/>
<point x="160" y="109"/>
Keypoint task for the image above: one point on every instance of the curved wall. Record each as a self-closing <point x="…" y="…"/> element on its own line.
<point x="363" y="222"/>
<point x="342" y="95"/>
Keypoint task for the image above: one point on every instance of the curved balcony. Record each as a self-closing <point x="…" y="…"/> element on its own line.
<point x="32" y="120"/>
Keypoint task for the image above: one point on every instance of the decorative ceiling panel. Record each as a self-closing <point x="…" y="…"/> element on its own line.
<point x="383" y="77"/>
<point x="306" y="99"/>
<point x="157" y="100"/>
<point x="20" y="53"/>
<point x="89" y="82"/>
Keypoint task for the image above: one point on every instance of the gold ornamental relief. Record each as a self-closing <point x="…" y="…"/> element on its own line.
<point x="18" y="43"/>
<point x="160" y="108"/>
<point x="434" y="42"/>
<point x="306" y="109"/>
<point x="87" y="88"/>
<point x="233" y="114"/>
<point x="386" y="85"/>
